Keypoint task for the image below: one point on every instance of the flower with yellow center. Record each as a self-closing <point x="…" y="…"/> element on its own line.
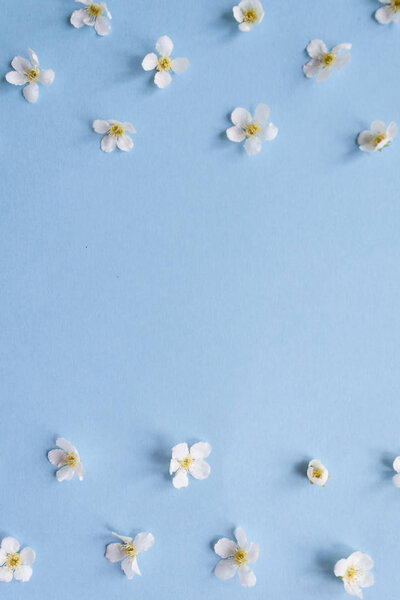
<point x="253" y="130"/>
<point x="323" y="61"/>
<point x="127" y="552"/>
<point x="185" y="461"/>
<point x="66" y="459"/>
<point x="378" y="137"/>
<point x="317" y="473"/>
<point x="388" y="13"/>
<point x="164" y="64"/>
<point x="235" y="557"/>
<point x="248" y="13"/>
<point x="15" y="563"/>
<point x="115" y="134"/>
<point x="355" y="573"/>
<point x="28" y="72"/>
<point x="95" y="14"/>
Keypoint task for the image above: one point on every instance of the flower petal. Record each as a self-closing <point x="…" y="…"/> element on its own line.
<point x="241" y="538"/>
<point x="341" y="48"/>
<point x="342" y="60"/>
<point x="108" y="143"/>
<point x="150" y="61"/>
<point x="235" y="134"/>
<point x="20" y="64"/>
<point x="56" y="457"/>
<point x="124" y="142"/>
<point x="238" y="14"/>
<point x="65" y="474"/>
<point x="361" y="560"/>
<point x="378" y="127"/>
<point x="312" y="68"/>
<point x="66" y="445"/>
<point x="128" y="127"/>
<point x="340" y="567"/>
<point x="3" y="556"/>
<point x="247" y="576"/>
<point x="78" y="18"/>
<point x="127" y="567"/>
<point x="364" y="137"/>
<point x="5" y="575"/>
<point x="23" y="573"/>
<point x="143" y="541"/>
<point x="105" y="8"/>
<point x="173" y="466"/>
<point x="384" y="15"/>
<point x="16" y="78"/>
<point x="135" y="567"/>
<point x="180" y="451"/>
<point x="102" y="26"/>
<point x="253" y="145"/>
<point x="261" y="113"/>
<point x="225" y="548"/>
<point x="268" y="132"/>
<point x="246" y="27"/>
<point x="324" y="74"/>
<point x="396" y="480"/>
<point x="164" y="45"/>
<point x="180" y="480"/>
<point x="253" y="552"/>
<point x="179" y="65"/>
<point x="225" y="569"/>
<point x="80" y="471"/>
<point x="46" y="77"/>
<point x="241" y="117"/>
<point x="115" y="552"/>
<point x="316" y="47"/>
<point x="367" y="579"/>
<point x="28" y="556"/>
<point x="391" y="131"/>
<point x="162" y="79"/>
<point x="34" y="58"/>
<point x="353" y="590"/>
<point x="31" y="92"/>
<point x="199" y="469"/>
<point x="10" y="545"/>
<point x="200" y="450"/>
<point x="101" y="126"/>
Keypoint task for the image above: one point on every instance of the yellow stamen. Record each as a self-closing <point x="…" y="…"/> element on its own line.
<point x="71" y="460"/>
<point x="240" y="557"/>
<point x="186" y="462"/>
<point x="164" y="63"/>
<point x="33" y="74"/>
<point x="252" y="129"/>
<point x="396" y="5"/>
<point x="130" y="550"/>
<point x="13" y="560"/>
<point x="351" y="575"/>
<point x="116" y="130"/>
<point x="250" y="15"/>
<point x="95" y="10"/>
<point x="378" y="139"/>
<point x="317" y="473"/>
<point x="328" y="59"/>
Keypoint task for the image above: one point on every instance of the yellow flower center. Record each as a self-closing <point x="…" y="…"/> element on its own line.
<point x="240" y="557"/>
<point x="13" y="560"/>
<point x="186" y="462"/>
<point x="252" y="129"/>
<point x="94" y="10"/>
<point x="116" y="130"/>
<point x="328" y="59"/>
<point x="164" y="63"/>
<point x="33" y="74"/>
<point x="317" y="473"/>
<point x="130" y="550"/>
<point x="351" y="575"/>
<point x="378" y="139"/>
<point x="250" y="15"/>
<point x="396" y="5"/>
<point x="71" y="460"/>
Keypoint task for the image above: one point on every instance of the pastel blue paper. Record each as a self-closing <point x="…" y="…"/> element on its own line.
<point x="184" y="291"/>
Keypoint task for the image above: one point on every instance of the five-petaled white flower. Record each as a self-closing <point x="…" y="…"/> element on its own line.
<point x="323" y="60"/>
<point x="248" y="13"/>
<point x="127" y="552"/>
<point x="25" y="72"/>
<point x="253" y="130"/>
<point x="164" y="63"/>
<point x="115" y="134"/>
<point x="68" y="459"/>
<point x="388" y="13"/>
<point x="184" y="461"/>
<point x="355" y="573"/>
<point x="396" y="467"/>
<point x="236" y="556"/>
<point x="378" y="137"/>
<point x="14" y="563"/>
<point x="92" y="15"/>
<point x="317" y="473"/>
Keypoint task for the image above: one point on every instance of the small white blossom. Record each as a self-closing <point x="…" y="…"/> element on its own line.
<point x="236" y="556"/>
<point x="389" y="12"/>
<point x="354" y="571"/>
<point x="248" y="13"/>
<point x="92" y="15"/>
<point x="317" y="473"/>
<point x="13" y="563"/>
<point x="25" y="72"/>
<point x="115" y="135"/>
<point x="184" y="461"/>
<point x="67" y="458"/>
<point x="323" y="60"/>
<point x="378" y="137"/>
<point x="163" y="63"/>
<point x="396" y="467"/>
<point x="128" y="551"/>
<point x="252" y="129"/>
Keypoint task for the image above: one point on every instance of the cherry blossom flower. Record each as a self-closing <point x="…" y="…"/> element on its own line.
<point x="323" y="60"/>
<point x="163" y="63"/>
<point x="184" y="461"/>
<point x="67" y="458"/>
<point x="253" y="130"/>
<point x="235" y="557"/>
<point x="389" y="12"/>
<point x="378" y="138"/>
<point x="13" y="563"/>
<point x="115" y="135"/>
<point x="29" y="72"/>
<point x="248" y="13"/>
<point x="317" y="473"/>
<point x="127" y="552"/>
<point x="354" y="571"/>
<point x="396" y="467"/>
<point x="92" y="15"/>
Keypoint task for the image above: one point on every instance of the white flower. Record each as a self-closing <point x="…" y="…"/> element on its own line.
<point x="184" y="460"/>
<point x="323" y="60"/>
<point x="92" y="15"/>
<point x="248" y="13"/>
<point x="14" y="563"/>
<point x="115" y="134"/>
<point x="396" y="467"/>
<point x="244" y="126"/>
<point x="378" y="137"/>
<point x="389" y="12"/>
<point x="25" y="72"/>
<point x="128" y="551"/>
<point x="317" y="473"/>
<point x="164" y="63"/>
<point x="355" y="573"/>
<point x="68" y="459"/>
<point x="236" y="556"/>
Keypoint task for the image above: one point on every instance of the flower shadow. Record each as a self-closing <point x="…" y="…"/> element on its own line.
<point x="326" y="559"/>
<point x="300" y="468"/>
<point x="387" y="459"/>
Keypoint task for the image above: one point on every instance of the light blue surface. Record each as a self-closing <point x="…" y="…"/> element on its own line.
<point x="185" y="291"/>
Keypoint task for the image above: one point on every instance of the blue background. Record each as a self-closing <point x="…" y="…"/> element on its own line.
<point x="185" y="291"/>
